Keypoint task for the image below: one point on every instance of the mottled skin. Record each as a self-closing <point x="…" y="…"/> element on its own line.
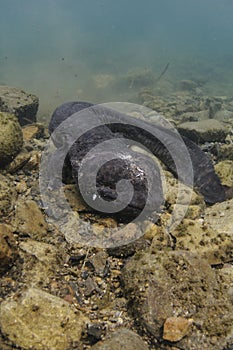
<point x="127" y="164"/>
<point x="205" y="179"/>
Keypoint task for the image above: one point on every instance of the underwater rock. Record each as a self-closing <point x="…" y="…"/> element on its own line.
<point x="204" y="231"/>
<point x="194" y="116"/>
<point x="225" y="275"/>
<point x="8" y="249"/>
<point x="40" y="262"/>
<point x="224" y="170"/>
<point x="188" y="85"/>
<point x="172" y="187"/>
<point x="33" y="161"/>
<point x="39" y="320"/>
<point x="223" y="114"/>
<point x="11" y="138"/>
<point x="176" y="328"/>
<point x="16" y="101"/>
<point x="99" y="263"/>
<point x="200" y="236"/>
<point x="19" y="161"/>
<point x="7" y="196"/>
<point x="204" y="130"/>
<point x="43" y="252"/>
<point x="29" y="219"/>
<point x="122" y="339"/>
<point x="220" y="217"/>
<point x="226" y="151"/>
<point x="163" y="284"/>
<point x="74" y="198"/>
<point x="33" y="131"/>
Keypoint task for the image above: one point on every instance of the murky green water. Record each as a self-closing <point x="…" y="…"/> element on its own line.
<point x="89" y="49"/>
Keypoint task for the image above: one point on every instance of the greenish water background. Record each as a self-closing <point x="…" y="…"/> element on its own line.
<point x="83" y="49"/>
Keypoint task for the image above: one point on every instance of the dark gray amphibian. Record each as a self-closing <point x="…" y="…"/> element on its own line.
<point x="131" y="165"/>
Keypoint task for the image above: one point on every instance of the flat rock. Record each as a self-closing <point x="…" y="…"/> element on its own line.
<point x="41" y="321"/>
<point x="194" y="116"/>
<point x="11" y="138"/>
<point x="40" y="260"/>
<point x="29" y="219"/>
<point x="122" y="339"/>
<point x="220" y="217"/>
<point x="8" y="248"/>
<point x="32" y="131"/>
<point x="19" y="161"/>
<point x="34" y="161"/>
<point x="207" y="130"/>
<point x="201" y="236"/>
<point x="44" y="252"/>
<point x="176" y="328"/>
<point x="16" y="101"/>
<point x="164" y="284"/>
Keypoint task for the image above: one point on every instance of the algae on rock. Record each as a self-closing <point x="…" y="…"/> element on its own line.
<point x="11" y="138"/>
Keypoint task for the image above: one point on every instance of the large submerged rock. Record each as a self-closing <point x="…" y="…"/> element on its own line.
<point x="11" y="138"/>
<point x="39" y="320"/>
<point x="204" y="130"/>
<point x="178" y="284"/>
<point x="16" y="101"/>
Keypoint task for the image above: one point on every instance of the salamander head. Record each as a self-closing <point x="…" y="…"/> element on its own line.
<point x="112" y="189"/>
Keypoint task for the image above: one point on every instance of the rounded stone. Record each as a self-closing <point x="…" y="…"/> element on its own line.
<point x="11" y="138"/>
<point x="7" y="196"/>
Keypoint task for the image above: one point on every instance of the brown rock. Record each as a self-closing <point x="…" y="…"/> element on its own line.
<point x="176" y="328"/>
<point x="32" y="131"/>
<point x="34" y="161"/>
<point x="29" y="219"/>
<point x="40" y="261"/>
<point x="161" y="284"/>
<point x="25" y="160"/>
<point x="74" y="198"/>
<point x="18" y="163"/>
<point x="8" y="250"/>
<point x="100" y="263"/>
<point x="210" y="238"/>
<point x="21" y="186"/>
<point x="39" y="320"/>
